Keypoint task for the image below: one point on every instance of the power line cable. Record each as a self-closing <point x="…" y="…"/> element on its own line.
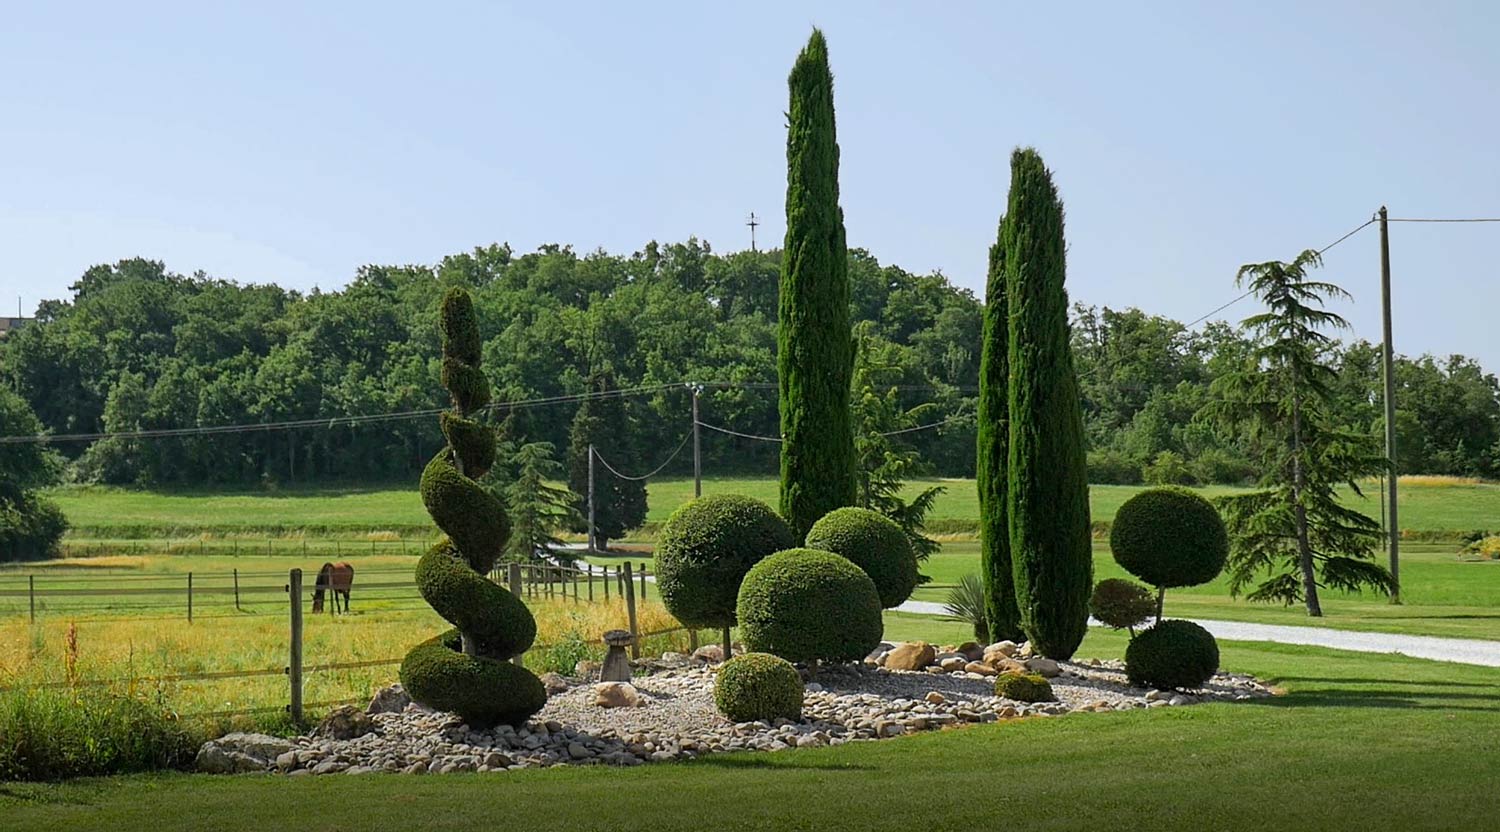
<point x="1443" y="219"/>
<point x="653" y="473"/>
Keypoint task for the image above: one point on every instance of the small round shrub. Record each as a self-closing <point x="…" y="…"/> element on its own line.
<point x="704" y="551"/>
<point x="876" y="544"/>
<point x="1023" y="687"/>
<point x="805" y="605"/>
<point x="1121" y="604"/>
<point x="1169" y="537"/>
<point x="758" y="686"/>
<point x="1172" y="654"/>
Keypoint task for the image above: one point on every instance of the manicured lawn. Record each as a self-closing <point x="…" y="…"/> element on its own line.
<point x="108" y="512"/>
<point x="1443" y="596"/>
<point x="1359" y="742"/>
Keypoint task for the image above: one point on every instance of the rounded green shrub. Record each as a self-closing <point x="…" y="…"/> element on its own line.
<point x="805" y="605"/>
<point x="704" y="551"/>
<point x="1024" y="687"/>
<point x="1121" y="604"/>
<point x="1172" y="654"/>
<point x="1169" y="537"/>
<point x="478" y="683"/>
<point x="758" y="686"/>
<point x="876" y="544"/>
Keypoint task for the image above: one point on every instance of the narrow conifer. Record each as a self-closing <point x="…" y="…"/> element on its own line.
<point x="1001" y="615"/>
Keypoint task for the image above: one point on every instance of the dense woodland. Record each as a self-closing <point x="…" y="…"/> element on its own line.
<point x="137" y="347"/>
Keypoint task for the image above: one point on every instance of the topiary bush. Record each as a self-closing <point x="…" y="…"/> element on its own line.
<point x="1121" y="604"/>
<point x="1172" y="654"/>
<point x="466" y="670"/>
<point x="876" y="544"/>
<point x="1024" y="687"/>
<point x="1169" y="537"/>
<point x="704" y="550"/>
<point x="806" y="605"/>
<point x="758" y="686"/>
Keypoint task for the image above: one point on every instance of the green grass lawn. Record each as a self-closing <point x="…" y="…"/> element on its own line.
<point x="1358" y="742"/>
<point x="109" y="512"/>
<point x="1443" y="596"/>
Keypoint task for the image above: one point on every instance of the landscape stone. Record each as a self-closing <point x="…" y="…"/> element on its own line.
<point x="345" y="723"/>
<point x="911" y="655"/>
<point x="391" y="699"/>
<point x="616" y="695"/>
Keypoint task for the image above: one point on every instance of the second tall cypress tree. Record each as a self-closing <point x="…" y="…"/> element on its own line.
<point x="1047" y="495"/>
<point x="815" y="348"/>
<point x="1000" y="611"/>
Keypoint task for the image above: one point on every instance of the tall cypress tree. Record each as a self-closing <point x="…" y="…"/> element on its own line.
<point x="815" y="348"/>
<point x="1001" y="614"/>
<point x="1047" y="496"/>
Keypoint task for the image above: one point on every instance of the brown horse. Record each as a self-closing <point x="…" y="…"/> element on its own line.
<point x="336" y="578"/>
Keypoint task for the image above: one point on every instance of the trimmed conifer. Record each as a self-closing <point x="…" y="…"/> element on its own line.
<point x="1001" y="614"/>
<point x="815" y="348"/>
<point x="1047" y="497"/>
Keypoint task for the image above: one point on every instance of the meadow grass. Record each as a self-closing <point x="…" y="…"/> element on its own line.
<point x="391" y="514"/>
<point x="1357" y="741"/>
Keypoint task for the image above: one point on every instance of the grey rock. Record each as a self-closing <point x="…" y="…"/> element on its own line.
<point x="389" y="700"/>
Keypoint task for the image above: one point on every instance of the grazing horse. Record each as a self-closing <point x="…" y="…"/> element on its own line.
<point x="336" y="578"/>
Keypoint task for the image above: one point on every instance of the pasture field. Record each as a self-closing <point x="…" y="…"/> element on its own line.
<point x="1427" y="506"/>
<point x="1442" y="594"/>
<point x="1371" y="742"/>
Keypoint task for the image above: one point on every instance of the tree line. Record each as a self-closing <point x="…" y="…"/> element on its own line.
<point x="138" y="347"/>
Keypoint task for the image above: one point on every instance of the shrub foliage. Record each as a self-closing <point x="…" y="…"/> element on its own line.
<point x="758" y="686"/>
<point x="1121" y="604"/>
<point x="466" y="670"/>
<point x="1024" y="687"/>
<point x="1172" y="654"/>
<point x="805" y="605"/>
<point x="1169" y="537"/>
<point x="996" y="569"/>
<point x="876" y="544"/>
<point x="704" y="550"/>
<point x="51" y="735"/>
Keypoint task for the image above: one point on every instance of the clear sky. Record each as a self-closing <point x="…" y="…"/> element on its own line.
<point x="294" y="142"/>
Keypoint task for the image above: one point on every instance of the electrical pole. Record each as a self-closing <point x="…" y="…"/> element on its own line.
<point x="1388" y="360"/>
<point x="593" y="541"/>
<point x="752" y="223"/>
<point x="697" y="449"/>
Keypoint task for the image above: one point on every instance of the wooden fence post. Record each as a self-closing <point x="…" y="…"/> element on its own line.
<point x="590" y="567"/>
<point x="237" y="591"/>
<point x="635" y="637"/>
<point x="643" y="582"/>
<point x="190" y="597"/>
<point x="692" y="640"/>
<point x="31" y="581"/>
<point x="605" y="570"/>
<point x="294" y="666"/>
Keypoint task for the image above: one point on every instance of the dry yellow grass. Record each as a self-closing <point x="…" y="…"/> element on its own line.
<point x="1436" y="481"/>
<point x="138" y="652"/>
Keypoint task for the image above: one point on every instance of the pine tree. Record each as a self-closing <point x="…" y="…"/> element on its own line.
<point x="1000" y="610"/>
<point x="1047" y="492"/>
<point x="1294" y="527"/>
<point x="537" y="508"/>
<point x="619" y="505"/>
<point x="815" y="349"/>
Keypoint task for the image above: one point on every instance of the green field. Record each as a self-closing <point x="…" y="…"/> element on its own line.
<point x="122" y="513"/>
<point x="1357" y="742"/>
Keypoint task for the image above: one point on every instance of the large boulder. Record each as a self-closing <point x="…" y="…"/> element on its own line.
<point x="389" y="700"/>
<point x="240" y="752"/>
<point x="997" y="651"/>
<point x="616" y="695"/>
<point x="911" y="655"/>
<point x="344" y="723"/>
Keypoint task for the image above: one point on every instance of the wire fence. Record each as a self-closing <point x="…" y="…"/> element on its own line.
<point x="292" y="597"/>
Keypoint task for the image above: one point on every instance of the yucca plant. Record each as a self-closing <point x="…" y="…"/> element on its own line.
<point x="966" y="603"/>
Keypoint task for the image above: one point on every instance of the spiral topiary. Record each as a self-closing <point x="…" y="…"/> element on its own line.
<point x="704" y="551"/>
<point x="876" y="544"/>
<point x="758" y="686"/>
<point x="466" y="670"/>
<point x="1169" y="537"/>
<point x="805" y="605"/>
<point x="1172" y="654"/>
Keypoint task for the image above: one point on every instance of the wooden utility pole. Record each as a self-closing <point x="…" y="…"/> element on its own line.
<point x="697" y="449"/>
<point x="1388" y="359"/>
<point x="593" y="542"/>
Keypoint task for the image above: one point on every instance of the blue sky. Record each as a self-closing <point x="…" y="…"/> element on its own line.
<point x="294" y="142"/>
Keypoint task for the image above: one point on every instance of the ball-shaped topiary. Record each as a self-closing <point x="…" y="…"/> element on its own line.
<point x="1172" y="654"/>
<point x="805" y="605"/>
<point x="876" y="544"/>
<point x="758" y="686"/>
<point x="466" y="670"/>
<point x="1169" y="536"/>
<point x="1121" y="604"/>
<point x="704" y="551"/>
<point x="1024" y="687"/>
